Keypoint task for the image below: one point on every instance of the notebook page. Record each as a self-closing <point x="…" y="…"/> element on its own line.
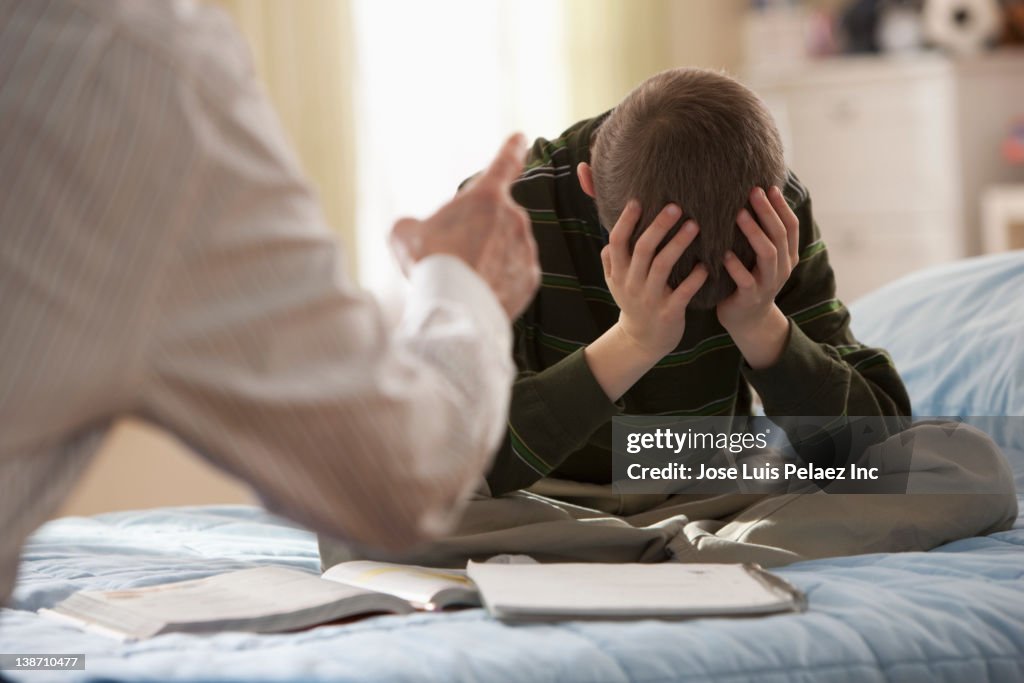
<point x="624" y="589"/>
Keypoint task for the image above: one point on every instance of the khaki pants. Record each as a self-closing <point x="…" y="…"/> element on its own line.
<point x="969" y="489"/>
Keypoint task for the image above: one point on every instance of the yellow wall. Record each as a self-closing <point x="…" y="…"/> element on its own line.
<point x="303" y="52"/>
<point x="615" y="44"/>
<point x="142" y="467"/>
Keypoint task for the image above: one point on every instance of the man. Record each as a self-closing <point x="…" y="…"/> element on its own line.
<point x="162" y="256"/>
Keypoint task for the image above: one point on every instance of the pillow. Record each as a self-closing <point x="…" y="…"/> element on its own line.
<point x="956" y="334"/>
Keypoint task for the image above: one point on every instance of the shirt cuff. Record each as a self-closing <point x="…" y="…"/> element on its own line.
<point x="443" y="277"/>
<point x="802" y="372"/>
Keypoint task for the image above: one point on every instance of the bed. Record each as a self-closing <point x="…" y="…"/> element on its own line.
<point x="953" y="614"/>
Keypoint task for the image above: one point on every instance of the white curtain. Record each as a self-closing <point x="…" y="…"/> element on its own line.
<point x="303" y="51"/>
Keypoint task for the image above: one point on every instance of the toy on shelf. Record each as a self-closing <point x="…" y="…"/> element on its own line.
<point x="963" y="27"/>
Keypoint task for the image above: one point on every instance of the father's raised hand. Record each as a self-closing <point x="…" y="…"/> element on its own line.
<point x="484" y="227"/>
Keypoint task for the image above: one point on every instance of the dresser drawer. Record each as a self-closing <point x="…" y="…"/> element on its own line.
<point x="886" y="146"/>
<point x="899" y="135"/>
<point x="867" y="250"/>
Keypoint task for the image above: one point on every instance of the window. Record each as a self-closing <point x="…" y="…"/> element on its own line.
<point x="438" y="87"/>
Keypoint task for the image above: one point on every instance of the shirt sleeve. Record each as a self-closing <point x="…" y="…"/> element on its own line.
<point x="552" y="415"/>
<point x="823" y="370"/>
<point x="266" y="359"/>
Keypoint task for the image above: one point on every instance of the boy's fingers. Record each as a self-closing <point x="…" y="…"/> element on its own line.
<point x="767" y="254"/>
<point x="669" y="255"/>
<point x="769" y="220"/>
<point x="789" y="219"/>
<point x="643" y="252"/>
<point x="618" y="240"/>
<point x="647" y="245"/>
<point x="743" y="278"/>
<point x="606" y="261"/>
<point x="507" y="164"/>
<point x="689" y="287"/>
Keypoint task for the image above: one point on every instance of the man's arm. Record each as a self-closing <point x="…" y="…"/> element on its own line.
<point x="265" y="358"/>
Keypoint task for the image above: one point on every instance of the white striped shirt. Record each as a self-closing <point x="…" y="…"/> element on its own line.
<point x="162" y="256"/>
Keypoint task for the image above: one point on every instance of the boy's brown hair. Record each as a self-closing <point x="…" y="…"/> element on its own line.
<point x="697" y="138"/>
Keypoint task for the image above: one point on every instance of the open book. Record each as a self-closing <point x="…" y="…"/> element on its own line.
<point x="265" y="600"/>
<point x="271" y="599"/>
<point x="629" y="591"/>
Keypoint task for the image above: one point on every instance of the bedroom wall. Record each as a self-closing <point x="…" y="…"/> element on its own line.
<point x="613" y="45"/>
<point x="140" y="466"/>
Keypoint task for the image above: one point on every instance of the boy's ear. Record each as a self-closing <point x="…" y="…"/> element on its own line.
<point x="586" y="178"/>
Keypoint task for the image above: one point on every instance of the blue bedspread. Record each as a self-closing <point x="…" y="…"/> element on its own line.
<point x="953" y="614"/>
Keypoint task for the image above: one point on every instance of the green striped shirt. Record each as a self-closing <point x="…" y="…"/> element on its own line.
<point x="560" y="419"/>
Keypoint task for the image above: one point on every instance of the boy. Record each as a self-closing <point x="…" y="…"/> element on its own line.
<point x="592" y="346"/>
<point x="676" y="275"/>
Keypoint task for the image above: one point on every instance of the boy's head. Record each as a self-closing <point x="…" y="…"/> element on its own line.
<point x="696" y="138"/>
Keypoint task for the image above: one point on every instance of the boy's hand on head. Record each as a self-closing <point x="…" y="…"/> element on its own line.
<point x="652" y="315"/>
<point x="484" y="227"/>
<point x="749" y="314"/>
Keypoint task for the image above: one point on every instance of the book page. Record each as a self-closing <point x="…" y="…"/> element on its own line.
<point x="625" y="589"/>
<point x="423" y="586"/>
<point x="246" y="595"/>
